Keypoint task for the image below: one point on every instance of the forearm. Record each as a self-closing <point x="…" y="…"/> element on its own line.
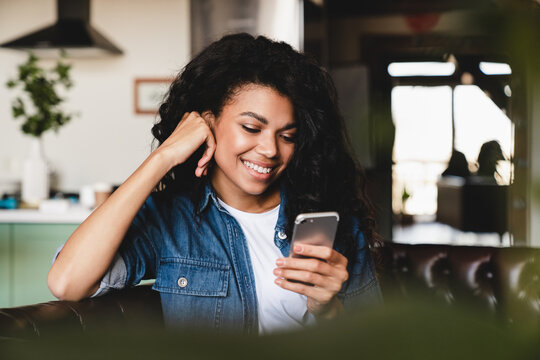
<point x="89" y="251"/>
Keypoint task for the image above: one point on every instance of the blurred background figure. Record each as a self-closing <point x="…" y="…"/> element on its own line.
<point x="489" y="156"/>
<point x="457" y="165"/>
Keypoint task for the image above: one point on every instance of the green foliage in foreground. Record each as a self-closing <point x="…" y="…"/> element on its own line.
<point x="398" y="330"/>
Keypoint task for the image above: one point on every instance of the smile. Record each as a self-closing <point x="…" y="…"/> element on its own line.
<point x="257" y="168"/>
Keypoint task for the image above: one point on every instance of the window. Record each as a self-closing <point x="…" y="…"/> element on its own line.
<point x="423" y="143"/>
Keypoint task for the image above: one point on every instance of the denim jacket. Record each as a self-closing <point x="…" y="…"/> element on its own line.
<point x="202" y="265"/>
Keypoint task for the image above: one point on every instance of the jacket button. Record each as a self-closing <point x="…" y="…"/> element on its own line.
<point x="282" y="235"/>
<point x="182" y="282"/>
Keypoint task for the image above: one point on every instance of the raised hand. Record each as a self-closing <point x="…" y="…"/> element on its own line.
<point x="191" y="132"/>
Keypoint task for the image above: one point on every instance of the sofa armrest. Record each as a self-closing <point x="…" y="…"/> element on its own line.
<point x="139" y="305"/>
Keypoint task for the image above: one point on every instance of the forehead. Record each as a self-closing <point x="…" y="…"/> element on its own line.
<point x="262" y="100"/>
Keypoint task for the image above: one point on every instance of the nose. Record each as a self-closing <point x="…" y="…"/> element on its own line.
<point x="268" y="146"/>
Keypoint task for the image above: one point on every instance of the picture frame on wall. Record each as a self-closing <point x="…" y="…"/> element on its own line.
<point x="149" y="93"/>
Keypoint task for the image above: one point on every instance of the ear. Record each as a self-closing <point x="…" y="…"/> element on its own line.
<point x="209" y="117"/>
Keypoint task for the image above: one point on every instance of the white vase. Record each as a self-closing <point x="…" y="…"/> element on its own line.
<point x="35" y="179"/>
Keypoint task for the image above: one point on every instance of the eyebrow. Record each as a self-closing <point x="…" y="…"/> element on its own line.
<point x="263" y="120"/>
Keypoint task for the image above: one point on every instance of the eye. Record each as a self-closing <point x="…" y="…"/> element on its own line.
<point x="250" y="130"/>
<point x="289" y="138"/>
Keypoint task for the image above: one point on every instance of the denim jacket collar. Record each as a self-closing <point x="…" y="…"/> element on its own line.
<point x="208" y="193"/>
<point x="281" y="224"/>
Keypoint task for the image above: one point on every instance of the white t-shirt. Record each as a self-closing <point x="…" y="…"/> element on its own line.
<point x="278" y="309"/>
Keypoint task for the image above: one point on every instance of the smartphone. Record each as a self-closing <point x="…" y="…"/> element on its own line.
<point x="314" y="229"/>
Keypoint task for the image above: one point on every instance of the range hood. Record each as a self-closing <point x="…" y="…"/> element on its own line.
<point x="71" y="33"/>
<point x="281" y="20"/>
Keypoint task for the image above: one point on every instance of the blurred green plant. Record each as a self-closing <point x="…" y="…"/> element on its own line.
<point x="39" y="104"/>
<point x="405" y="195"/>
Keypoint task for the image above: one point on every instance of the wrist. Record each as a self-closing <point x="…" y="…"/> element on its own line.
<point x="158" y="164"/>
<point x="162" y="160"/>
<point x="329" y="311"/>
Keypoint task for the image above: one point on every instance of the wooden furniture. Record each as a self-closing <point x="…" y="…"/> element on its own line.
<point x="472" y="206"/>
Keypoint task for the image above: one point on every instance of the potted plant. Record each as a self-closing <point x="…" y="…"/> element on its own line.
<point x="405" y="218"/>
<point x="39" y="105"/>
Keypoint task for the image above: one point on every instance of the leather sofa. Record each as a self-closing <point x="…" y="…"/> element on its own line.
<point x="502" y="283"/>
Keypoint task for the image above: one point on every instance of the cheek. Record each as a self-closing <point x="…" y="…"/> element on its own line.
<point x="232" y="142"/>
<point x="288" y="153"/>
<point x="228" y="146"/>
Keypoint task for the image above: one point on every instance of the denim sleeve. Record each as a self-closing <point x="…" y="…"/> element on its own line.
<point x="114" y="278"/>
<point x="140" y="248"/>
<point x="362" y="289"/>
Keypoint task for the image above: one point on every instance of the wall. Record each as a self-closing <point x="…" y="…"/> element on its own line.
<point x="534" y="148"/>
<point x="108" y="140"/>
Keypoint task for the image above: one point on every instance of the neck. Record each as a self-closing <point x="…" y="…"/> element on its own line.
<point x="251" y="203"/>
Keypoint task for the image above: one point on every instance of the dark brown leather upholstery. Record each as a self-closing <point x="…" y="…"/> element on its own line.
<point x="501" y="281"/>
<point x="504" y="282"/>
<point x="135" y="306"/>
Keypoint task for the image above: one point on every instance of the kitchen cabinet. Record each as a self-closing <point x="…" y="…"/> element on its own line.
<point x="5" y="265"/>
<point x="33" y="248"/>
<point x="26" y="251"/>
<point x="28" y="241"/>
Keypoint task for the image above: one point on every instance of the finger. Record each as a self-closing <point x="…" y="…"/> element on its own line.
<point x="320" y="252"/>
<point x="204" y="161"/>
<point x="318" y="294"/>
<point x="202" y="170"/>
<point x="180" y="124"/>
<point x="185" y="116"/>
<point x="333" y="272"/>
<point x="199" y="172"/>
<point x="209" y="152"/>
<point x="194" y="114"/>
<point x="332" y="281"/>
<point x="328" y="283"/>
<point x="308" y="264"/>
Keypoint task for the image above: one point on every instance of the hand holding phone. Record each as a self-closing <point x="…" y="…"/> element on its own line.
<point x="297" y="273"/>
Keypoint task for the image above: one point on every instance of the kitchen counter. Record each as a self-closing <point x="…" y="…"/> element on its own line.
<point x="74" y="215"/>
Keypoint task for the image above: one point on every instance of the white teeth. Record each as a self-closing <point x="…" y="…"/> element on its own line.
<point x="257" y="168"/>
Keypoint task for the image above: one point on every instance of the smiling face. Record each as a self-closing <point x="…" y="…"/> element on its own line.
<point x="254" y="135"/>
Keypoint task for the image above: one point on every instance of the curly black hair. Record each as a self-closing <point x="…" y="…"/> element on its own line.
<point x="322" y="175"/>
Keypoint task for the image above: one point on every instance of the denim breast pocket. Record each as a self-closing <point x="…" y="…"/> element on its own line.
<point x="192" y="291"/>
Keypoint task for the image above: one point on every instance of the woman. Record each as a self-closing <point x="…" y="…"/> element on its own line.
<point x="488" y="158"/>
<point x="249" y="136"/>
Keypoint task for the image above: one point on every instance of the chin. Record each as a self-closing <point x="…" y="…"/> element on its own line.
<point x="254" y="190"/>
<point x="257" y="189"/>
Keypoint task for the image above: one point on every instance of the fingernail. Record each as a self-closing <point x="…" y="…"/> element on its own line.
<point x="279" y="262"/>
<point x="298" y="248"/>
<point x="278" y="281"/>
<point x="277" y="271"/>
